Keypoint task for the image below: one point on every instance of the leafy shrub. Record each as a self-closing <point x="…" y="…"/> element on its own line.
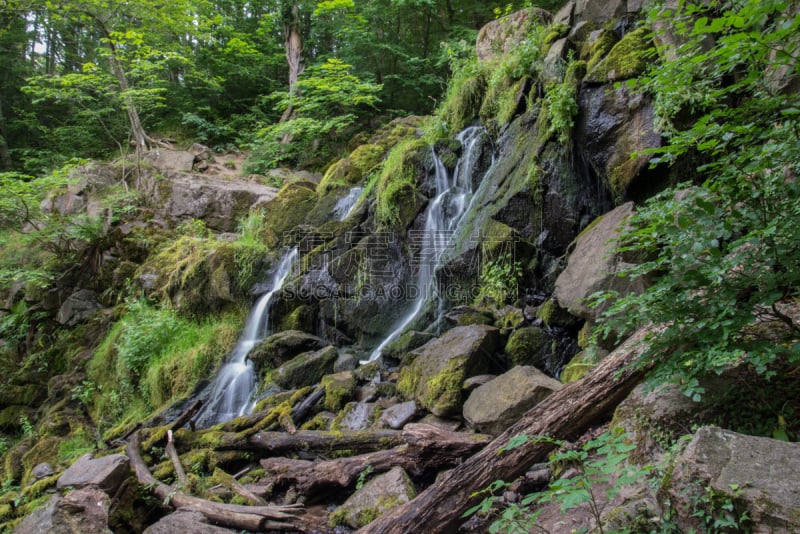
<point x="500" y="279"/>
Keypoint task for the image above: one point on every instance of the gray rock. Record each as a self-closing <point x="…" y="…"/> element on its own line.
<point x="185" y="521"/>
<point x="347" y="361"/>
<point x="553" y="61"/>
<point x="282" y="347"/>
<point x="42" y="470"/>
<point x="765" y="471"/>
<point x="106" y="473"/>
<point x="496" y="405"/>
<point x="564" y="15"/>
<point x="593" y="266"/>
<point x="398" y="415"/>
<point x="375" y="498"/>
<point x="80" y="511"/>
<point x="170" y="160"/>
<point x="78" y="307"/>
<point x="500" y="36"/>
<point x="435" y="378"/>
<point x="355" y="416"/>
<point x="305" y="369"/>
<point x="600" y="11"/>
<point x="475" y="381"/>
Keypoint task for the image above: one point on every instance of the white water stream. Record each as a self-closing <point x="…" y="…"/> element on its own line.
<point x="442" y="218"/>
<point x="232" y="388"/>
<point x="345" y="205"/>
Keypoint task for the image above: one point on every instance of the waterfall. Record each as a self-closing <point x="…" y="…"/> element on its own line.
<point x="442" y="218"/>
<point x="231" y="390"/>
<point x="345" y="205"/>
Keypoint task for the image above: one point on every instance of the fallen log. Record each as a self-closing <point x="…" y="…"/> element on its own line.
<point x="255" y="518"/>
<point x="229" y="481"/>
<point x="275" y="443"/>
<point x="427" y="448"/>
<point x="175" y="459"/>
<point x="563" y="415"/>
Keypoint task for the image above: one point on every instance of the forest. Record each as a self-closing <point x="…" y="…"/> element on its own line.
<point x="399" y="266"/>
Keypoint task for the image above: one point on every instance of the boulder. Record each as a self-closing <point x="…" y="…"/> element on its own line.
<point x="80" y="511"/>
<point x="106" y="473"/>
<point x="613" y="124"/>
<point x="496" y="405"/>
<point x="41" y="471"/>
<point x="305" y="369"/>
<point x="435" y="378"/>
<point x="375" y="498"/>
<point x="219" y="202"/>
<point x="759" y="475"/>
<point x="339" y="388"/>
<point x="582" y="363"/>
<point x="355" y="416"/>
<point x="184" y="521"/>
<point x="170" y="160"/>
<point x="405" y="343"/>
<point x="600" y="11"/>
<point x="627" y="59"/>
<point x="528" y="346"/>
<point x="283" y="346"/>
<point x="593" y="266"/>
<point x="78" y="307"/>
<point x="398" y="415"/>
<point x="503" y="35"/>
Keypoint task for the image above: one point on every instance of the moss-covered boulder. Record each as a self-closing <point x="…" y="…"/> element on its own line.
<point x="353" y="169"/>
<point x="288" y="209"/>
<point x="497" y="404"/>
<point x="502" y="36"/>
<point x="435" y="378"/>
<point x="375" y="498"/>
<point x="278" y="348"/>
<point x="552" y="314"/>
<point x="406" y="343"/>
<point x="627" y="59"/>
<point x="305" y="369"/>
<point x="527" y="346"/>
<point x="339" y="389"/>
<point x="582" y="363"/>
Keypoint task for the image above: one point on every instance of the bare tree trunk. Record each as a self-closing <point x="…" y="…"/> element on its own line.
<point x="293" y="44"/>
<point x="5" y="155"/>
<point x="563" y="415"/>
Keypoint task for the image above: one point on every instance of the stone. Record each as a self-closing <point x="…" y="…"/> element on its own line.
<point x="305" y="369"/>
<point x="600" y="11"/>
<point x="42" y="470"/>
<point x="347" y="361"/>
<point x="106" y="473"/>
<point x="764" y="471"/>
<point x="80" y="511"/>
<point x="200" y="152"/>
<point x="627" y="59"/>
<point x="378" y="496"/>
<point x="475" y="381"/>
<point x="78" y="307"/>
<point x="582" y="363"/>
<point x="170" y="160"/>
<point x="553" y="61"/>
<point x="528" y="346"/>
<point x="564" y="15"/>
<point x="612" y="124"/>
<point x="355" y="416"/>
<point x="496" y="405"/>
<point x="407" y="342"/>
<point x="467" y="315"/>
<point x="593" y="266"/>
<point x="501" y="36"/>
<point x="398" y="415"/>
<point x="282" y="347"/>
<point x="186" y="521"/>
<point x="436" y="376"/>
<point x="339" y="388"/>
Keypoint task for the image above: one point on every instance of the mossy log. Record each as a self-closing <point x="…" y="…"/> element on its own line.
<point x="276" y="443"/>
<point x="563" y="415"/>
<point x="254" y="518"/>
<point x="427" y="448"/>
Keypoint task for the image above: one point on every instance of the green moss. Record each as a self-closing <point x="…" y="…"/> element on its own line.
<point x="465" y="93"/>
<point x="366" y="516"/>
<point x="396" y="190"/>
<point x="627" y="59"/>
<point x="318" y="422"/>
<point x="353" y="169"/>
<point x="555" y="32"/>
<point x="595" y="52"/>
<point x="338" y="518"/>
<point x="585" y="335"/>
<point x="289" y="209"/>
<point x="45" y="450"/>
<point x="525" y="346"/>
<point x="301" y="318"/>
<point x="339" y="389"/>
<point x="443" y="393"/>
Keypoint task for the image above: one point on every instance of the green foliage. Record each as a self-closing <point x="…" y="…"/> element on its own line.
<point x="562" y="106"/>
<point x="600" y="463"/>
<point x="326" y="102"/>
<point x="396" y="187"/>
<point x="721" y="252"/>
<point x="500" y="279"/>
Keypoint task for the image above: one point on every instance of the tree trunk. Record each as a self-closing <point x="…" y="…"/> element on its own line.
<point x="427" y="448"/>
<point x="563" y="415"/>
<point x="293" y="45"/>
<point x="5" y="155"/>
<point x="255" y="518"/>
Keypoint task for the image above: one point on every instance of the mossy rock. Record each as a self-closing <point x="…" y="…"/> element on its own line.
<point x="582" y="363"/>
<point x="435" y="378"/>
<point x="353" y="169"/>
<point x="12" y="460"/>
<point x="281" y="347"/>
<point x="552" y="314"/>
<point x="627" y="59"/>
<point x="339" y="389"/>
<point x="379" y="495"/>
<point x="406" y="343"/>
<point x="22" y="394"/>
<point x="289" y="210"/>
<point x="398" y="185"/>
<point x="301" y="318"/>
<point x="306" y="369"/>
<point x="45" y="450"/>
<point x="527" y="346"/>
<point x="594" y="51"/>
<point x="11" y="417"/>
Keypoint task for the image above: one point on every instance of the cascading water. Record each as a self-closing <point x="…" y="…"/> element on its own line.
<point x="442" y="217"/>
<point x="345" y="205"/>
<point x="232" y="389"/>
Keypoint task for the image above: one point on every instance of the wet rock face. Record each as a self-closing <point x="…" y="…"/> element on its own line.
<point x="436" y="376"/>
<point x="283" y="346"/>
